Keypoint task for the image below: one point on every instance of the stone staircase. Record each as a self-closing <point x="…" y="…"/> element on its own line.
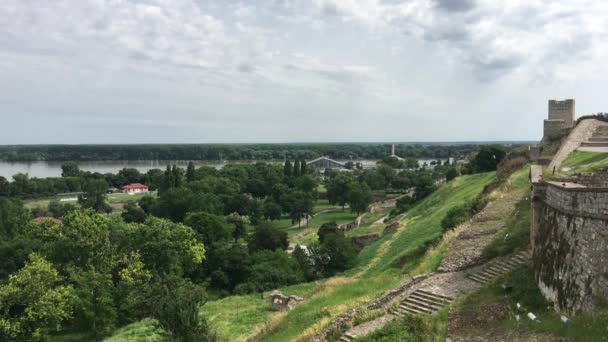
<point x="599" y="138"/>
<point x="498" y="267"/>
<point x="421" y="301"/>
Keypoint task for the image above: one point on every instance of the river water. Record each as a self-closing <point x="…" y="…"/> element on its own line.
<point x="42" y="169"/>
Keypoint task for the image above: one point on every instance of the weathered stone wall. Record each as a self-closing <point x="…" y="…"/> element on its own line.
<point x="562" y="110"/>
<point x="594" y="179"/>
<point x="554" y="130"/>
<point x="570" y="243"/>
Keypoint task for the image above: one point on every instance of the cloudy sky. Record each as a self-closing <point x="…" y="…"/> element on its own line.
<point x="173" y="71"/>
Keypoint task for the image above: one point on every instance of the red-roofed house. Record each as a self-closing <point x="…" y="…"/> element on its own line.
<point x="134" y="188"/>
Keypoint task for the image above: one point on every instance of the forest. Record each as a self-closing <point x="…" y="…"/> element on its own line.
<point x="342" y="151"/>
<point x="207" y="233"/>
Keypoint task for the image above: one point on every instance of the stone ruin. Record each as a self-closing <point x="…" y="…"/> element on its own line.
<point x="281" y="302"/>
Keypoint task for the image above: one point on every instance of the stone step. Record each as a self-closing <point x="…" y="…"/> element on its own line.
<point x="594" y="144"/>
<point x="346" y="338"/>
<point x="415" y="301"/>
<point x="598" y="139"/>
<point x="477" y="278"/>
<point x="415" y="307"/>
<point x="512" y="263"/>
<point x="427" y="293"/>
<point x="430" y="298"/>
<point x="520" y="258"/>
<point x="430" y="301"/>
<point x="503" y="267"/>
<point x="491" y="271"/>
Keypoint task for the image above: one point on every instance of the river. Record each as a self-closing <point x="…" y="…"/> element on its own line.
<point x="43" y="169"/>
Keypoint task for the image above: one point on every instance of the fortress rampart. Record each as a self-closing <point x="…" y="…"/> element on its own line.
<point x="570" y="244"/>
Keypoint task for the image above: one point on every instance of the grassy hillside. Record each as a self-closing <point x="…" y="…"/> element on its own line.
<point x="579" y="161"/>
<point x="380" y="267"/>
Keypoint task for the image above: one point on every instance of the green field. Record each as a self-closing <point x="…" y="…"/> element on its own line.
<point x="125" y="198"/>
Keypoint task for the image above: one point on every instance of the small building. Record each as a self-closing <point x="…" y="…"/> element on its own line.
<point x="134" y="188"/>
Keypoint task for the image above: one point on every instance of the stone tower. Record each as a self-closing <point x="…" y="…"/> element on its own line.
<point x="561" y="120"/>
<point x="562" y="110"/>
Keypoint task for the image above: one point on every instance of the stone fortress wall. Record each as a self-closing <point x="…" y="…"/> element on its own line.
<point x="569" y="225"/>
<point x="570" y="244"/>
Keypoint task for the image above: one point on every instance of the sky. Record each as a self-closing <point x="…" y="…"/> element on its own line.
<point x="227" y="71"/>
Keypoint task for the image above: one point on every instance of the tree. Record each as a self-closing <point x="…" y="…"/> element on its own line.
<point x="451" y="173"/>
<point x="95" y="306"/>
<point x="265" y="236"/>
<point x="359" y="197"/>
<point x="95" y="196"/>
<point x="209" y="228"/>
<point x="287" y="170"/>
<point x="58" y="209"/>
<point x="133" y="213"/>
<point x="4" y="187"/>
<point x="13" y="217"/>
<point x="411" y="163"/>
<point x="176" y="304"/>
<point x="178" y="175"/>
<point x="424" y="186"/>
<point x="338" y="189"/>
<point x="34" y="303"/>
<point x="300" y="205"/>
<point x="190" y="173"/>
<point x="340" y="253"/>
<point x="167" y="247"/>
<point x="69" y="169"/>
<point x="168" y="180"/>
<point x="308" y="184"/>
<point x="296" y="168"/>
<point x="488" y="158"/>
<point x="327" y="229"/>
<point x="239" y="225"/>
<point x="272" y="269"/>
<point x="129" y="175"/>
<point x="303" y="168"/>
<point x="272" y="211"/>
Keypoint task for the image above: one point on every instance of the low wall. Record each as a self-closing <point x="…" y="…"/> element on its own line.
<point x="570" y="244"/>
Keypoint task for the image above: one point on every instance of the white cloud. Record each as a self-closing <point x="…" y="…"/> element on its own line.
<point x="275" y="69"/>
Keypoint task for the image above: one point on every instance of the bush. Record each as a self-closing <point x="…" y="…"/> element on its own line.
<point x="267" y="237"/>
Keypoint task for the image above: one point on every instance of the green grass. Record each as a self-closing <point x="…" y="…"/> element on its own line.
<point x="367" y="224"/>
<point x="237" y="318"/>
<point x="337" y="215"/>
<point x="423" y="222"/>
<point x="322" y="205"/>
<point x="124" y="198"/>
<point x="73" y="337"/>
<point x="375" y="272"/>
<point x="423" y="328"/>
<point x="518" y="228"/>
<point x="525" y="291"/>
<point x="284" y="222"/>
<point x="146" y="330"/>
<point x="39" y="203"/>
<point x="579" y="161"/>
<point x="338" y="296"/>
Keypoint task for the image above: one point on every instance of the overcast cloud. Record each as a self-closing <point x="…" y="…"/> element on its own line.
<point x="197" y="71"/>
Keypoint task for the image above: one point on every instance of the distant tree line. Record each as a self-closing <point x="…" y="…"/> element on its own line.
<point x="227" y="151"/>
